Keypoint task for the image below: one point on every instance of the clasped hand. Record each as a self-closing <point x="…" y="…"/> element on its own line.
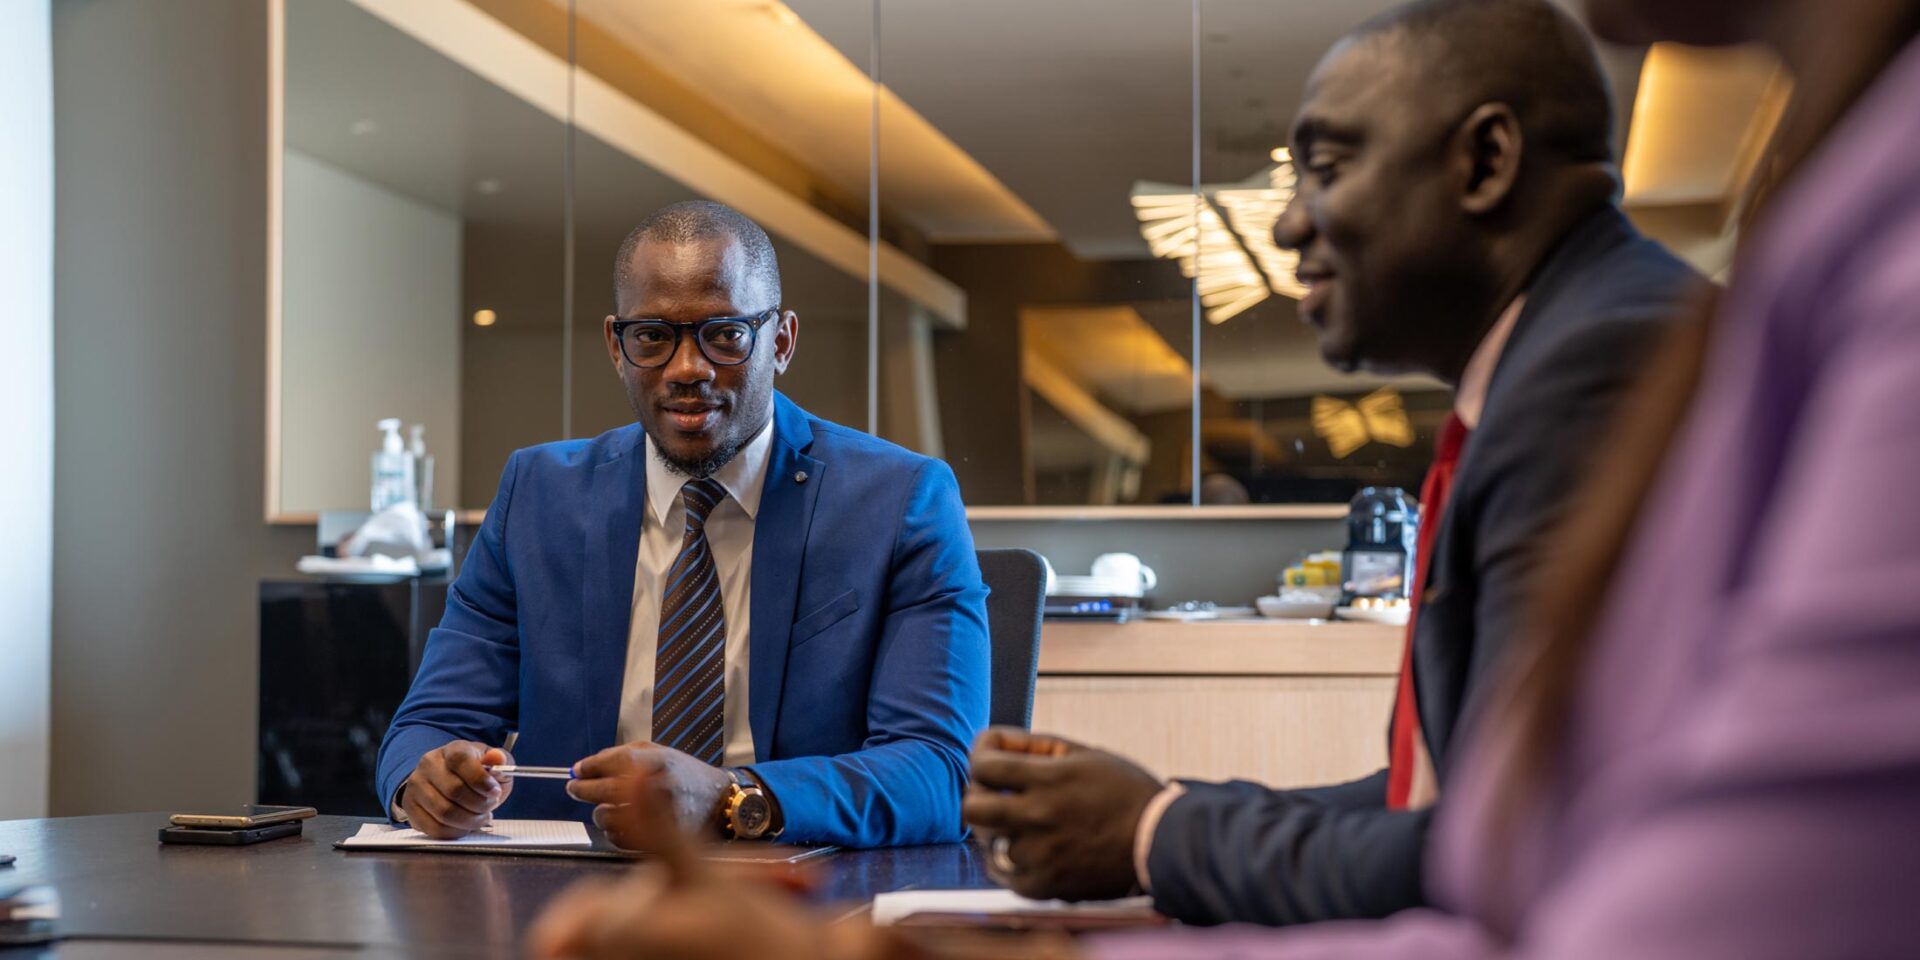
<point x="453" y="791"/>
<point x="1064" y="815"/>
<point x="694" y="791"/>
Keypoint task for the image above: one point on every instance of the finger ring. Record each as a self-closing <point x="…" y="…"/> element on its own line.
<point x="999" y="857"/>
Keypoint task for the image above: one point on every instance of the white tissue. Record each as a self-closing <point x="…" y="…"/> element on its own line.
<point x="399" y="531"/>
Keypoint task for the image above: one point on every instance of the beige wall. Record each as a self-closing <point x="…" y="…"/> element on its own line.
<point x="159" y="354"/>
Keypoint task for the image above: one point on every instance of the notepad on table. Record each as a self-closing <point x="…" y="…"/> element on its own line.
<point x="502" y="833"/>
<point x="1004" y="908"/>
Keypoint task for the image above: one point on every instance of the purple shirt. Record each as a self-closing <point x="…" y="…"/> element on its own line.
<point x="1742" y="775"/>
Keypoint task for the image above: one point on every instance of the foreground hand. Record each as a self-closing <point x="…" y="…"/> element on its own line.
<point x="692" y="790"/>
<point x="684" y="910"/>
<point x="1068" y="813"/>
<point x="451" y="793"/>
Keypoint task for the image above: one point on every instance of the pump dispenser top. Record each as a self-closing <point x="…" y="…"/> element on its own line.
<point x="392" y="442"/>
<point x="422" y="467"/>
<point x="392" y="469"/>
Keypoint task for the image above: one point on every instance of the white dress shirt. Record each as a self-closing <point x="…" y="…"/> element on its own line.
<point x="730" y="537"/>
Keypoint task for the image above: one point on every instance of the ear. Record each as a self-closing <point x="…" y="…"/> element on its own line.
<point x="1488" y="146"/>
<point x="613" y="344"/>
<point x="786" y="339"/>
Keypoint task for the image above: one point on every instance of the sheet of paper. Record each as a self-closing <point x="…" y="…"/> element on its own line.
<point x="503" y="833"/>
<point x="889" y="908"/>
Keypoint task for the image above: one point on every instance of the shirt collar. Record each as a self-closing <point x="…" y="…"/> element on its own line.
<point x="1471" y="398"/>
<point x="743" y="476"/>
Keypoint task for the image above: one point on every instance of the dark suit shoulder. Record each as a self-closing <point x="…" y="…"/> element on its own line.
<point x="1597" y="308"/>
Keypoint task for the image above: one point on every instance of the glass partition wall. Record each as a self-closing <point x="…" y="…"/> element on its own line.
<point x="1276" y="424"/>
<point x="1030" y="239"/>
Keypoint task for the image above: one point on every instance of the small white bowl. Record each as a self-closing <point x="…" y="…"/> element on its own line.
<point x="1291" y="609"/>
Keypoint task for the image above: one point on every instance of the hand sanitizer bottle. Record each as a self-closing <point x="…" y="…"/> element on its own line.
<point x="392" y="469"/>
<point x="422" y="467"/>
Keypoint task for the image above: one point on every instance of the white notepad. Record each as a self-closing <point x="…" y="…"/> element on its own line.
<point x="503" y="833"/>
<point x="890" y="908"/>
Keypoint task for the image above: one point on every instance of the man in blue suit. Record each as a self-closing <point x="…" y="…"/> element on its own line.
<point x="781" y="616"/>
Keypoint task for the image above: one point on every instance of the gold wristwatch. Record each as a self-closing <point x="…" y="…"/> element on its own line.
<point x="749" y="809"/>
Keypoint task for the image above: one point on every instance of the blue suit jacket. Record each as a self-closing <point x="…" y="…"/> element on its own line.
<point x="869" y="668"/>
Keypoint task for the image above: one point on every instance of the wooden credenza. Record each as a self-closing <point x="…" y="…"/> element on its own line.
<point x="1287" y="703"/>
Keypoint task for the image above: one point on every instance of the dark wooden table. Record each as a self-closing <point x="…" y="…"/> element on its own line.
<point x="122" y="893"/>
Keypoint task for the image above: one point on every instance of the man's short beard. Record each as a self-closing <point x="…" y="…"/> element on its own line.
<point x="703" y="467"/>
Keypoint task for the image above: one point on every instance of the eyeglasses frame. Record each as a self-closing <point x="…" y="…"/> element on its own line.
<point x="754" y="322"/>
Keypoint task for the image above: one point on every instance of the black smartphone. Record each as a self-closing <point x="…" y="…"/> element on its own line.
<point x="24" y="933"/>
<point x="229" y="837"/>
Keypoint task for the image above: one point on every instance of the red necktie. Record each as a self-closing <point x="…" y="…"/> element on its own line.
<point x="1407" y="752"/>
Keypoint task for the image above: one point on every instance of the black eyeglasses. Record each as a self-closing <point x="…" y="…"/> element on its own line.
<point x="725" y="341"/>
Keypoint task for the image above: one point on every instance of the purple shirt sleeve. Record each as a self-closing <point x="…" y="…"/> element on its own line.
<point x="1425" y="934"/>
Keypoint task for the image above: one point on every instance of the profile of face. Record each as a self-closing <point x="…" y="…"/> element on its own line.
<point x="699" y="412"/>
<point x="1377" y="217"/>
<point x="1700" y="22"/>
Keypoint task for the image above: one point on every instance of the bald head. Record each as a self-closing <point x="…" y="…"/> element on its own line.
<point x="694" y="221"/>
<point x="1528" y="54"/>
<point x="1443" y="149"/>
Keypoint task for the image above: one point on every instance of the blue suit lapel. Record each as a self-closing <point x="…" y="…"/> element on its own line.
<point x="779" y="543"/>
<point x="613" y="520"/>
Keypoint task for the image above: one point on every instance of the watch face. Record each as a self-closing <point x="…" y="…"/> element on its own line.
<point x="752" y="816"/>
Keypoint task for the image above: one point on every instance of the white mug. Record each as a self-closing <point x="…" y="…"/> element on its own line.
<point x="1126" y="573"/>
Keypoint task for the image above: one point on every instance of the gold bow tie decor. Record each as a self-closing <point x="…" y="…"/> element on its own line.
<point x="1378" y="417"/>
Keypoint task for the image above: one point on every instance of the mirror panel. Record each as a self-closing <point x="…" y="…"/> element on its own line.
<point x="1012" y="136"/>
<point x="416" y="193"/>
<point x="1277" y="424"/>
<point x="775" y="123"/>
<point x="1021" y="302"/>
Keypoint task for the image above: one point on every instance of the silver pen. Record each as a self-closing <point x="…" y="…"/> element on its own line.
<point x="533" y="773"/>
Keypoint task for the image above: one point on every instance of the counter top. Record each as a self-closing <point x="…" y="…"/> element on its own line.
<point x="1251" y="647"/>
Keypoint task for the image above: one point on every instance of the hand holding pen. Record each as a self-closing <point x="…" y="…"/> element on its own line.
<point x="511" y="770"/>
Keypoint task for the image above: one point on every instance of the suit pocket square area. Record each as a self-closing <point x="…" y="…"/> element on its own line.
<point x="825" y="615"/>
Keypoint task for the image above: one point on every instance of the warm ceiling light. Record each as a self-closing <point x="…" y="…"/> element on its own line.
<point x="484" y="318"/>
<point x="1282" y="155"/>
<point x="1223" y="239"/>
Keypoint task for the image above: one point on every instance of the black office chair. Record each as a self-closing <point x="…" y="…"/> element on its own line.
<point x="1018" y="581"/>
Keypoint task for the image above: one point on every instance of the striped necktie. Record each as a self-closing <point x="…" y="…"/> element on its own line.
<point x="689" y="666"/>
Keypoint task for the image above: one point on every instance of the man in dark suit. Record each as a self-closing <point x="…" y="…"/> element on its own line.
<point x="779" y="617"/>
<point x="1455" y="216"/>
